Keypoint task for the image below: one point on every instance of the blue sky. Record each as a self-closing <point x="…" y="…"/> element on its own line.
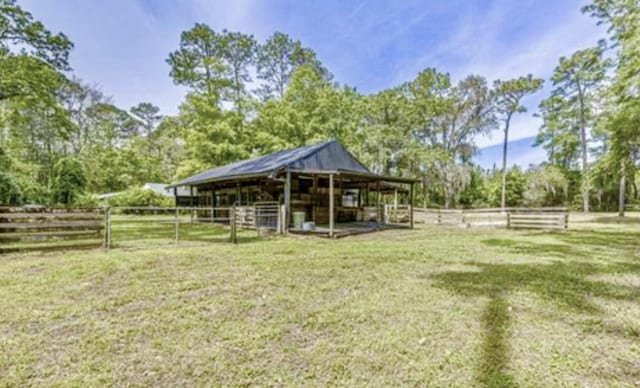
<point x="121" y="45"/>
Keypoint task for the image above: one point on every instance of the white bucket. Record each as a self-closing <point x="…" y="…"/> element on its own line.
<point x="308" y="225"/>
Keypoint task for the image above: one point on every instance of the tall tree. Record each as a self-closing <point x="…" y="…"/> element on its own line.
<point x="452" y="116"/>
<point x="210" y="137"/>
<point x="509" y="95"/>
<point x="623" y="20"/>
<point x="559" y="133"/>
<point x="18" y="29"/>
<point x="69" y="180"/>
<point x="384" y="135"/>
<point x="575" y="80"/>
<point x="149" y="116"/>
<point x="277" y="60"/>
<point x="198" y="62"/>
<point x="30" y="55"/>
<point x="312" y="109"/>
<point x="238" y="52"/>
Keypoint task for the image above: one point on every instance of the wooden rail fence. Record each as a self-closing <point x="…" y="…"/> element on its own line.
<point x="521" y="218"/>
<point x="35" y="228"/>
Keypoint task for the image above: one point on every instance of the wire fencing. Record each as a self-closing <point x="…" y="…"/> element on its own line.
<point x="141" y="227"/>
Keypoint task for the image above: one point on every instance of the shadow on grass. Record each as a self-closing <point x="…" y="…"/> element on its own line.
<point x="612" y="220"/>
<point x="573" y="244"/>
<point x="566" y="285"/>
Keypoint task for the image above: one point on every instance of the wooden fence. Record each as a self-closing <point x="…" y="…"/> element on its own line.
<point x="397" y="214"/>
<point x="529" y="218"/>
<point x="34" y="228"/>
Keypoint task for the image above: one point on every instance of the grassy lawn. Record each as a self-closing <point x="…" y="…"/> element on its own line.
<point x="442" y="307"/>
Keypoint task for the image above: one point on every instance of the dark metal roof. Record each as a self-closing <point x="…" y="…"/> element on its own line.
<point x="326" y="156"/>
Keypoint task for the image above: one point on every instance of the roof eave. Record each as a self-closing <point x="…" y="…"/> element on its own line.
<point x="220" y="179"/>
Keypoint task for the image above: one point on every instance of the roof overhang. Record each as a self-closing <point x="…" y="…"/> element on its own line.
<point x="271" y="174"/>
<point x="220" y="179"/>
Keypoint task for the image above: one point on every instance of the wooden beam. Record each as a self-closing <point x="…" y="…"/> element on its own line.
<point x="314" y="199"/>
<point x="287" y="201"/>
<point x="378" y="204"/>
<point x="175" y="196"/>
<point x="411" y="206"/>
<point x="213" y="204"/>
<point x="331" y="207"/>
<point x="191" y="203"/>
<point x="395" y="204"/>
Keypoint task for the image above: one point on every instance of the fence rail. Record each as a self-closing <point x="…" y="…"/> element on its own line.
<point x="397" y="214"/>
<point x="39" y="228"/>
<point x="138" y="227"/>
<point x="530" y="218"/>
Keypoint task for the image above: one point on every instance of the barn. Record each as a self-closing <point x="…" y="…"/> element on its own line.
<point x="321" y="188"/>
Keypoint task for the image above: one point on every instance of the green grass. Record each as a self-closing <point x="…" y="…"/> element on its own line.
<point x="440" y="307"/>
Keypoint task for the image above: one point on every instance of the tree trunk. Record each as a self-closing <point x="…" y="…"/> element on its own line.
<point x="583" y="144"/>
<point x="503" y="194"/>
<point x="623" y="189"/>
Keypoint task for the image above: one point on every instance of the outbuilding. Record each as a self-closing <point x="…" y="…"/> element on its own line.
<point x="322" y="184"/>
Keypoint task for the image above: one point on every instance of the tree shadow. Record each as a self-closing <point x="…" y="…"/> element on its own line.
<point x="566" y="285"/>
<point x="573" y="244"/>
<point x="491" y="370"/>
<point x="613" y="220"/>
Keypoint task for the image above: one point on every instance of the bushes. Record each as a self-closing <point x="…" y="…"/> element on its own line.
<point x="547" y="186"/>
<point x="69" y="181"/>
<point x="10" y="193"/>
<point x="138" y="196"/>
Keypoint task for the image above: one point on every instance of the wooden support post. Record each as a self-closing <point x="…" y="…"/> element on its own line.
<point x="232" y="224"/>
<point x="191" y="200"/>
<point x="314" y="199"/>
<point x="331" y="207"/>
<point x="213" y="205"/>
<point x="175" y="196"/>
<point x="107" y="233"/>
<point x="411" y="206"/>
<point x="378" y="204"/>
<point x="177" y="223"/>
<point x="281" y="216"/>
<point x="287" y="201"/>
<point x="367" y="192"/>
<point x="395" y="205"/>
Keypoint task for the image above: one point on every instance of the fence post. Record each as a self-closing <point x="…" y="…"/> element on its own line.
<point x="232" y="219"/>
<point x="411" y="216"/>
<point x="107" y="226"/>
<point x="508" y="220"/>
<point x="566" y="221"/>
<point x="176" y="226"/>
